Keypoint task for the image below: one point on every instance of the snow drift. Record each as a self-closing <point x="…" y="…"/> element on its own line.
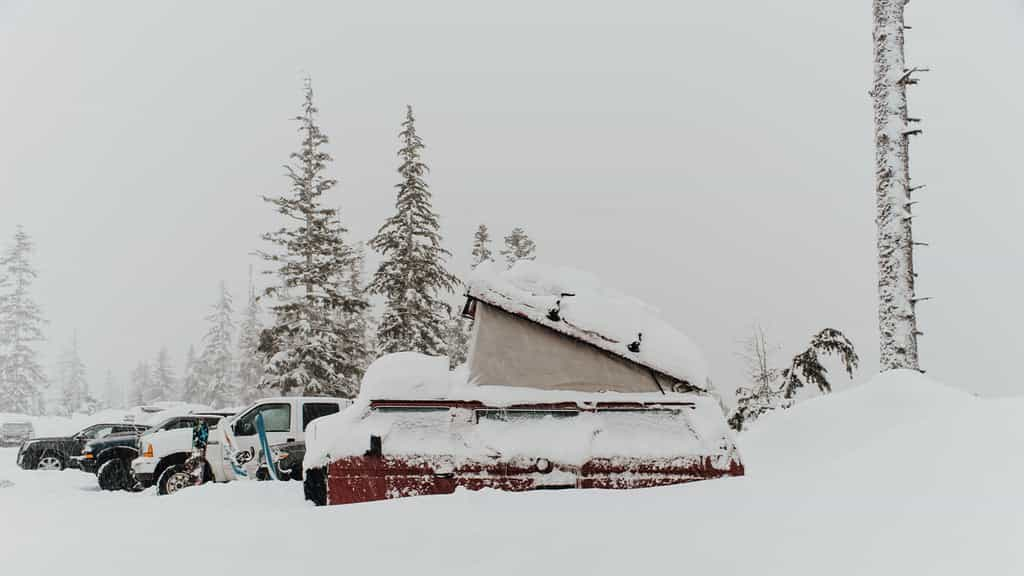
<point x="899" y="476"/>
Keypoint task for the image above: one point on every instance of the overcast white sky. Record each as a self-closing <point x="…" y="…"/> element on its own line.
<point x="713" y="158"/>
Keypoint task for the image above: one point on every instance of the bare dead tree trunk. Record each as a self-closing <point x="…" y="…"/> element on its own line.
<point x="896" y="314"/>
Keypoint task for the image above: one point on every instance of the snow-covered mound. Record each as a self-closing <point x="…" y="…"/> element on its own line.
<point x="899" y="476"/>
<point x="406" y="376"/>
<point x="593" y="313"/>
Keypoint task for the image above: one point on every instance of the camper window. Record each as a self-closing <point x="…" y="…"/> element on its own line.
<point x="516" y="415"/>
<point x="409" y="409"/>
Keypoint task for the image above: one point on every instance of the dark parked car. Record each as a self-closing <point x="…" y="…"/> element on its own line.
<point x="56" y="453"/>
<point x="288" y="457"/>
<point x="110" y="457"/>
<point x="14" y="433"/>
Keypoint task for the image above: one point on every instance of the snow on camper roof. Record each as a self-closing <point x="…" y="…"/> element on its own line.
<point x="591" y="313"/>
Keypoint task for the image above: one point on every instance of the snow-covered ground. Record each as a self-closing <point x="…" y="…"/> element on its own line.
<point x="900" y="476"/>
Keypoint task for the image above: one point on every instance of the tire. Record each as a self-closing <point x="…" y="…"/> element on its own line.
<point x="171" y="480"/>
<point x="114" y="475"/>
<point x="50" y="461"/>
<point x="314" y="486"/>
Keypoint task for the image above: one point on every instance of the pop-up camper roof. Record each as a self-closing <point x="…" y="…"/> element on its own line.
<point x="551" y="328"/>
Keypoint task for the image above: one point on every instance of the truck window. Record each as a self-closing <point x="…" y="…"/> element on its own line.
<point x="313" y="410"/>
<point x="97" y="432"/>
<point x="276" y="418"/>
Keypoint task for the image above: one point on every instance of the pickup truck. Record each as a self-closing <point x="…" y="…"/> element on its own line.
<point x="110" y="457"/>
<point x="233" y="449"/>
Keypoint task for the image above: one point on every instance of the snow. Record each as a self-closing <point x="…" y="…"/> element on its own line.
<point x="406" y="376"/>
<point x="899" y="476"/>
<point x="700" y="430"/>
<point x="49" y="426"/>
<point x="594" y="314"/>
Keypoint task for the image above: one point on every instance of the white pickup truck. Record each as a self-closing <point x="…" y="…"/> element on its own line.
<point x="233" y="449"/>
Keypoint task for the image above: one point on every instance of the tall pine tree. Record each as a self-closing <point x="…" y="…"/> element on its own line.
<point x="190" y="383"/>
<point x="482" y="246"/>
<point x="161" y="381"/>
<point x="139" y="384"/>
<point x="304" y="349"/>
<point x="217" y="386"/>
<point x="21" y="327"/>
<point x="356" y="323"/>
<point x="113" y="398"/>
<point x="250" y="361"/>
<point x="74" y="387"/>
<point x="412" y="277"/>
<point x="518" y="246"/>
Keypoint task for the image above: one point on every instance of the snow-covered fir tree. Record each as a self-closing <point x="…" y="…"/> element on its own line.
<point x="112" y="395"/>
<point x="412" y="276"/>
<point x="356" y="323"/>
<point x="457" y="340"/>
<point x="217" y="386"/>
<point x="190" y="382"/>
<point x="482" y="246"/>
<point x="73" y="385"/>
<point x="162" y="380"/>
<point x="518" y="246"/>
<point x="21" y="327"/>
<point x="250" y="361"/>
<point x="775" y="388"/>
<point x="304" y="349"/>
<point x="139" y="384"/>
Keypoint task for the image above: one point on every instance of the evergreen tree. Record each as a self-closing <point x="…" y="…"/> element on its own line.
<point x="482" y="246"/>
<point x="356" y="324"/>
<point x="303" y="349"/>
<point x="139" y="384"/>
<point x="112" y="392"/>
<point x="250" y="361"/>
<point x="74" y="387"/>
<point x="190" y="383"/>
<point x="161" y="381"/>
<point x="217" y="384"/>
<point x="457" y="339"/>
<point x="518" y="246"/>
<point x="21" y="326"/>
<point x="412" y="277"/>
<point x="777" y="388"/>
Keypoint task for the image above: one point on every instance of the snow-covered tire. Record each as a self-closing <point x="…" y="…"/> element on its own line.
<point x="172" y="479"/>
<point x="114" y="475"/>
<point x="50" y="461"/>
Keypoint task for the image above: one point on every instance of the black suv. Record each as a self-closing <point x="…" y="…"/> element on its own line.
<point x="110" y="457"/>
<point x="57" y="453"/>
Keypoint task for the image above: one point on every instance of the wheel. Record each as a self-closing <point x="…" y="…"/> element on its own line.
<point x="172" y="479"/>
<point x="50" y="461"/>
<point x="114" y="475"/>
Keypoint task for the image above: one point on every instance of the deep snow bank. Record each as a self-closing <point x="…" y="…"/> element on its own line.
<point x="899" y="476"/>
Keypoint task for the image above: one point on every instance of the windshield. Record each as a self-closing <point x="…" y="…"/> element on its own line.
<point x="95" y="432"/>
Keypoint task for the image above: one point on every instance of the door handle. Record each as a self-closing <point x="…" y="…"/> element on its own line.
<point x="289" y="439"/>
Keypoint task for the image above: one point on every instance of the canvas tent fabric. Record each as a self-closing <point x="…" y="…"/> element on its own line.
<point x="591" y="313"/>
<point x="508" y="350"/>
